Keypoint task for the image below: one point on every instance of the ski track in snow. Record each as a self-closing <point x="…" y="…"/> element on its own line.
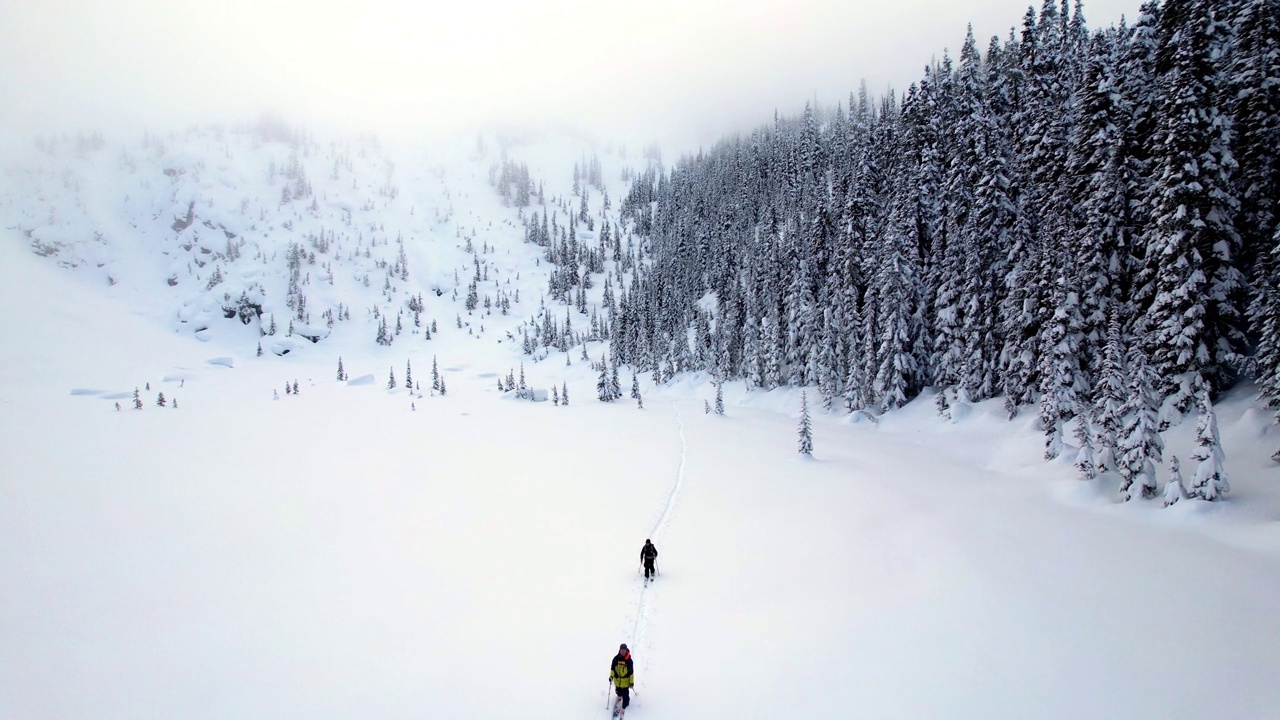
<point x="643" y="607"/>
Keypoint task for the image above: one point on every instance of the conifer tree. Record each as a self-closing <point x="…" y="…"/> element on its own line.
<point x="1108" y="404"/>
<point x="555" y="396"/>
<point x="1063" y="376"/>
<point x="564" y="394"/>
<point x="391" y="380"/>
<point x="898" y="366"/>
<point x="342" y="373"/>
<point x="615" y="387"/>
<point x="435" y="374"/>
<point x="443" y="390"/>
<point x="1084" y="435"/>
<point x="1174" y="489"/>
<point x="295" y="387"/>
<point x="1210" y="482"/>
<point x="1139" y="443"/>
<point x="1193" y="247"/>
<point x="806" y="427"/>
<point x="137" y="399"/>
<point x="408" y="374"/>
<point x="1253" y="80"/>
<point x="160" y="401"/>
<point x="603" y="391"/>
<point x="719" y="396"/>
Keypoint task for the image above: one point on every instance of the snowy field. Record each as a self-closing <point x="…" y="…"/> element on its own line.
<point x="359" y="552"/>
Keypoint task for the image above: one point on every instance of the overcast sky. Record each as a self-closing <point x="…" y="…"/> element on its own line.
<point x="680" y="71"/>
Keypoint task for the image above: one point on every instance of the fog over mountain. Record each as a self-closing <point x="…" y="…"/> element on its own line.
<point x="684" y="73"/>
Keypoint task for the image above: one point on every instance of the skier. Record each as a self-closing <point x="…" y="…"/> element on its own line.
<point x="622" y="677"/>
<point x="648" y="554"/>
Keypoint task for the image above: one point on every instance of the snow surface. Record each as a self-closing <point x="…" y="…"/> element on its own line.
<point x="354" y="551"/>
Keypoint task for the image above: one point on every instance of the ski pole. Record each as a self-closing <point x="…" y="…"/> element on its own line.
<point x="606" y="695"/>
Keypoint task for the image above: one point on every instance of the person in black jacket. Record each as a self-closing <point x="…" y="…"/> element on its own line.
<point x="622" y="676"/>
<point x="648" y="555"/>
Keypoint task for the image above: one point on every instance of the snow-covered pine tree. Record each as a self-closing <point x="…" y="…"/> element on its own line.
<point x="1084" y="435"/>
<point x="719" y="396"/>
<point x="564" y="393"/>
<point x="806" y="426"/>
<point x="137" y="399"/>
<point x="898" y="285"/>
<point x="1108" y="399"/>
<point x="295" y="387"/>
<point x="1101" y="196"/>
<point x="1062" y="377"/>
<point x="635" y="385"/>
<point x="391" y="380"/>
<point x="1174" y="489"/>
<point x="443" y="389"/>
<point x="989" y="230"/>
<point x="615" y="387"/>
<point x="1254" y="102"/>
<point x="435" y="374"/>
<point x="770" y="352"/>
<point x="1193" y="247"/>
<point x="342" y="373"/>
<point x="603" y="392"/>
<point x="1265" y="313"/>
<point x="160" y="401"/>
<point x="555" y="396"/>
<point x="1210" y="482"/>
<point x="1139" y="443"/>
<point x="408" y="374"/>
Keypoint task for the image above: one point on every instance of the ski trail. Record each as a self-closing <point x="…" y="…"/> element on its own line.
<point x="643" y="610"/>
<point x="675" y="489"/>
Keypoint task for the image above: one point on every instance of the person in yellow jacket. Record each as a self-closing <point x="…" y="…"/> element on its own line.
<point x="622" y="676"/>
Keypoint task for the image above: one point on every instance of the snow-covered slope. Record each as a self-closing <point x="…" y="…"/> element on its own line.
<point x="265" y="225"/>
<point x="356" y="550"/>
